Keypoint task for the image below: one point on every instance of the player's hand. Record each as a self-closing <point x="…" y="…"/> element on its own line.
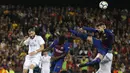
<point x="54" y="58"/>
<point x="32" y="53"/>
<point x="80" y="29"/>
<point x="25" y="37"/>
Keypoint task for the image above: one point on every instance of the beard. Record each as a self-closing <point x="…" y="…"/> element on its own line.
<point x="32" y="37"/>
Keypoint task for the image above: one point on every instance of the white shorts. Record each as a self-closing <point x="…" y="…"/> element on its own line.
<point x="31" y="60"/>
<point x="105" y="64"/>
<point x="45" y="71"/>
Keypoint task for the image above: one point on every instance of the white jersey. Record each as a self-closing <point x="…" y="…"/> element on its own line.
<point x="34" y="44"/>
<point x="45" y="64"/>
<point x="105" y="64"/>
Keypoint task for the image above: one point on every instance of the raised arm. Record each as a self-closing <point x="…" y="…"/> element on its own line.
<point x="90" y="29"/>
<point x="51" y="46"/>
<point x="24" y="42"/>
<point x="81" y="35"/>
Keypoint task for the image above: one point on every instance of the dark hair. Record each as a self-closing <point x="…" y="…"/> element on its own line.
<point x="31" y="29"/>
<point x="100" y="24"/>
<point x="61" y="39"/>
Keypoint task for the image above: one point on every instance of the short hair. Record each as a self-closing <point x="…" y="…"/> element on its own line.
<point x="31" y="29"/>
<point x="61" y="39"/>
<point x="100" y="24"/>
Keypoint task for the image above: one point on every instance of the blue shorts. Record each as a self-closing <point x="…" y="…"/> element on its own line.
<point x="98" y="45"/>
<point x="56" y="66"/>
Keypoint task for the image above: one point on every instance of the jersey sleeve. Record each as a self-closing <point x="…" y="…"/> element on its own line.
<point x="55" y="42"/>
<point x="90" y="29"/>
<point x="81" y="35"/>
<point x="109" y="33"/>
<point x="26" y="42"/>
<point x="41" y="41"/>
<point x="66" y="47"/>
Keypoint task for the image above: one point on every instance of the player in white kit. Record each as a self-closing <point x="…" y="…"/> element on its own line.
<point x="45" y="63"/>
<point x="36" y="46"/>
<point x="105" y="64"/>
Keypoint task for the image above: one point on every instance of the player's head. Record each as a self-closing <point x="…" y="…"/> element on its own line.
<point x="31" y="33"/>
<point x="61" y="39"/>
<point x="45" y="53"/>
<point x="101" y="26"/>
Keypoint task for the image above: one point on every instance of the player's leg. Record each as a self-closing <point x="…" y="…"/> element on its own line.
<point x="97" y="43"/>
<point x="107" y="61"/>
<point x="34" y="62"/>
<point x="32" y="66"/>
<point x="26" y="64"/>
<point x="58" y="66"/>
<point x="46" y="71"/>
<point x="52" y="66"/>
<point x="42" y="70"/>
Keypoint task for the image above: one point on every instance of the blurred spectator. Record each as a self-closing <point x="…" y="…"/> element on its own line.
<point x="2" y="69"/>
<point x="83" y="61"/>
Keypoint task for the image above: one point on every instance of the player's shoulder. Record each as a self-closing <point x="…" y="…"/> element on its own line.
<point x="49" y="56"/>
<point x="56" y="41"/>
<point x="109" y="30"/>
<point x="39" y="37"/>
<point x="66" y="43"/>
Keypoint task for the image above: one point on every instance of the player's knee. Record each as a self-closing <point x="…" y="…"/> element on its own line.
<point x="32" y="66"/>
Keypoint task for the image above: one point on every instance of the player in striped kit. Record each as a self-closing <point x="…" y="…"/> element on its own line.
<point x="103" y="46"/>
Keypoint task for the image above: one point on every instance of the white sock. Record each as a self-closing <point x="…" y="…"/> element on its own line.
<point x="30" y="70"/>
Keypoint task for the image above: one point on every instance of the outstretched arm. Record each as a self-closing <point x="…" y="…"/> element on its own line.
<point x="90" y="29"/>
<point x="51" y="46"/>
<point x="81" y="35"/>
<point x="108" y="32"/>
<point x="24" y="42"/>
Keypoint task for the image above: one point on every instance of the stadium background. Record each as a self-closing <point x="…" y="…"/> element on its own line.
<point x="119" y="21"/>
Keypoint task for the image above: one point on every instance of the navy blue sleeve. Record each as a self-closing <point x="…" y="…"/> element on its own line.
<point x="108" y="32"/>
<point x="109" y="35"/>
<point x="90" y="29"/>
<point x="82" y="36"/>
<point x="55" y="42"/>
<point x="66" y="47"/>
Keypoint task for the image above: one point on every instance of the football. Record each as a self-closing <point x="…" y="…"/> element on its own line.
<point x="103" y="5"/>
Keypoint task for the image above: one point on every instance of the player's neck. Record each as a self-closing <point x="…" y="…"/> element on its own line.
<point x="33" y="37"/>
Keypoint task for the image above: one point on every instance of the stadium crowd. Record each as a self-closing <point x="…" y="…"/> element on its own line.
<point x="16" y="20"/>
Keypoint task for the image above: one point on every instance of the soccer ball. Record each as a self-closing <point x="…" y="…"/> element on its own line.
<point x="103" y="5"/>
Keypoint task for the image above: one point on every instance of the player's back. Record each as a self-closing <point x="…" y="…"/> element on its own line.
<point x="105" y="64"/>
<point x="60" y="49"/>
<point x="108" y="39"/>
